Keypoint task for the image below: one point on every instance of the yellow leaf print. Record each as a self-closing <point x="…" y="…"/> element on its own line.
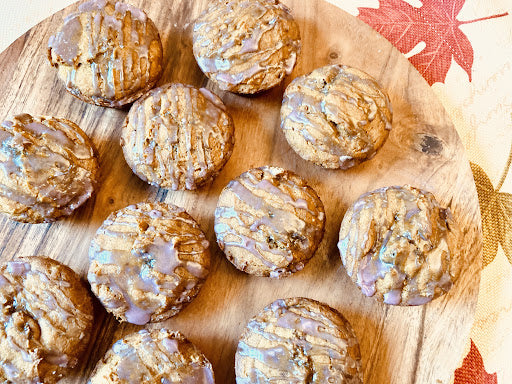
<point x="496" y="212"/>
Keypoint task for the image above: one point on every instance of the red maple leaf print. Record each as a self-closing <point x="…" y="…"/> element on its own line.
<point x="472" y="370"/>
<point x="435" y="24"/>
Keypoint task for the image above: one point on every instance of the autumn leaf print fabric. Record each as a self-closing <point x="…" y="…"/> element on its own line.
<point x="473" y="371"/>
<point x="434" y="25"/>
<point x="463" y="49"/>
<point x="496" y="212"/>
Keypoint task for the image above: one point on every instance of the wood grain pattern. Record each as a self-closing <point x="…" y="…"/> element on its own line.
<point x="399" y="345"/>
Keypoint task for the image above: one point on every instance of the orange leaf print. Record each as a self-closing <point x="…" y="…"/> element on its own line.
<point x="473" y="371"/>
<point x="434" y="23"/>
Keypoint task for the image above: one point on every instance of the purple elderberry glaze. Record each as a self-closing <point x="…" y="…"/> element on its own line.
<point x="18" y="268"/>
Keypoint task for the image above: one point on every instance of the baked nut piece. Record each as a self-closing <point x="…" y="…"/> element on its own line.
<point x="336" y="116"/>
<point x="108" y="53"/>
<point x="153" y="357"/>
<point x="397" y="244"/>
<point x="147" y="261"/>
<point x="298" y="340"/>
<point x="47" y="318"/>
<point x="48" y="168"/>
<point x="246" y="46"/>
<point x="269" y="222"/>
<point x="178" y="137"/>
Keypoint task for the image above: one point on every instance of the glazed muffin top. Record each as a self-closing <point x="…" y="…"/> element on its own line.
<point x="107" y="53"/>
<point x="48" y="168"/>
<point x="298" y="340"/>
<point x="147" y="261"/>
<point x="47" y="317"/>
<point x="178" y="137"/>
<point x="336" y="116"/>
<point x="153" y="357"/>
<point x="269" y="222"/>
<point x="399" y="245"/>
<point x="246" y="46"/>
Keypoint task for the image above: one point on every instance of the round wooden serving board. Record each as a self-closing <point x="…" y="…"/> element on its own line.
<point x="420" y="345"/>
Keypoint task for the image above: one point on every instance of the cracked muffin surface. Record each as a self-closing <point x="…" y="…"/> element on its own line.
<point x="178" y="137"/>
<point x="298" y="340"/>
<point x="246" y="46"/>
<point x="47" y="318"/>
<point x="48" y="168"/>
<point x="107" y="53"/>
<point x="336" y="116"/>
<point x="398" y="245"/>
<point x="269" y="222"/>
<point x="153" y="357"/>
<point x="148" y="261"/>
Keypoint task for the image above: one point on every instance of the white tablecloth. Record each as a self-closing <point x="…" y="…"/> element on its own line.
<point x="18" y="16"/>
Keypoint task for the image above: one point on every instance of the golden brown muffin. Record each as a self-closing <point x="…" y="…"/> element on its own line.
<point x="48" y="168"/>
<point x="47" y="317"/>
<point x="108" y="53"/>
<point x="269" y="222"/>
<point x="336" y="116"/>
<point x="147" y="262"/>
<point x="178" y="137"/>
<point x="397" y="244"/>
<point x="246" y="46"/>
<point x="298" y="340"/>
<point x="153" y="357"/>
